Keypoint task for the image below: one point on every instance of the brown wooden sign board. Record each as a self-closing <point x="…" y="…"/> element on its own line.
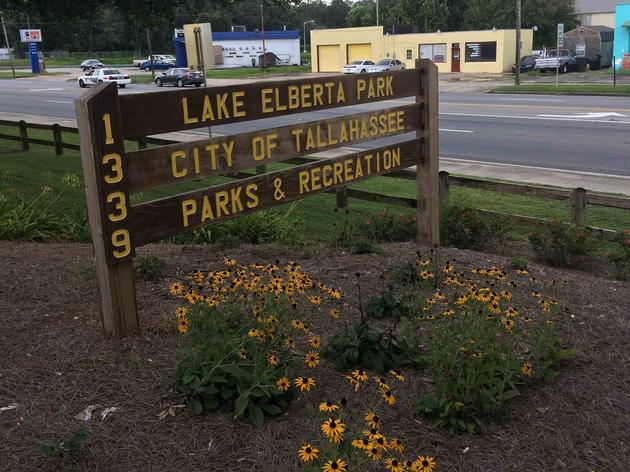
<point x="111" y="174"/>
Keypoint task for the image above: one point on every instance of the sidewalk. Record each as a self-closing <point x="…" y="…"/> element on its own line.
<point x="601" y="183"/>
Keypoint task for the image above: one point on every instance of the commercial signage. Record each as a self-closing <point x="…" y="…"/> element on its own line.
<point x="31" y="36"/>
<point x="560" y="34"/>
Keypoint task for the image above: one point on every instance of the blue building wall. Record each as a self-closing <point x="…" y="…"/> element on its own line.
<point x="622" y="34"/>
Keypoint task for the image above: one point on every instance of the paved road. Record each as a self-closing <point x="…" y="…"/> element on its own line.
<point x="589" y="134"/>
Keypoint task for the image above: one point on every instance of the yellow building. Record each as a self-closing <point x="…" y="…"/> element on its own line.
<point x="491" y="51"/>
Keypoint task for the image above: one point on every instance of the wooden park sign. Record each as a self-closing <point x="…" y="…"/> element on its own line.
<point x="112" y="173"/>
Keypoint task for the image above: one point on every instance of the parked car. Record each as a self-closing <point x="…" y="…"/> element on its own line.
<point x="90" y="64"/>
<point x="566" y="59"/>
<point x="527" y="63"/>
<point x="160" y="57"/>
<point x="386" y="64"/>
<point x="158" y="64"/>
<point x="179" y="77"/>
<point x="357" y="67"/>
<point x="97" y="76"/>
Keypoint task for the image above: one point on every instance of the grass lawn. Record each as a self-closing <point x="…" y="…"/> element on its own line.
<point x="235" y="73"/>
<point x="71" y="61"/>
<point x="316" y="212"/>
<point x="573" y="89"/>
<point x="25" y="75"/>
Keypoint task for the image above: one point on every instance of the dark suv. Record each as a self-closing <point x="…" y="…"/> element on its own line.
<point x="179" y="77"/>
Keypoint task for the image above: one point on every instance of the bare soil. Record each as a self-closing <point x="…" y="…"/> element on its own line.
<point x="54" y="362"/>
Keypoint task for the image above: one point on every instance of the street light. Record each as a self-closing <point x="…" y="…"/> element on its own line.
<point x="306" y="23"/>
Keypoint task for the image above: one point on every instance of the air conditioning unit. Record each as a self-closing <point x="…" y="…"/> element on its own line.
<point x="239" y="29"/>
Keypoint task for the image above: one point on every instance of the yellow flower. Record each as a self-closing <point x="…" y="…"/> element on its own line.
<point x="397" y="445"/>
<point x="527" y="369"/>
<point x="425" y="275"/>
<point x="315" y="341"/>
<point x="373" y="420"/>
<point x="423" y="464"/>
<point x="283" y="384"/>
<point x="181" y="311"/>
<point x="328" y="406"/>
<point x="381" y="443"/>
<point x="228" y="261"/>
<point x="335" y="466"/>
<point x="389" y="397"/>
<point x="398" y="374"/>
<point x="333" y="430"/>
<point x="334" y="313"/>
<point x="374" y="453"/>
<point x="304" y="383"/>
<point x="315" y="300"/>
<point x="508" y="323"/>
<point x="393" y="465"/>
<point x="176" y="289"/>
<point x="448" y="313"/>
<point x="312" y="359"/>
<point x="308" y="453"/>
<point x="182" y="325"/>
<point x="361" y="443"/>
<point x="373" y="434"/>
<point x="290" y="343"/>
<point x="360" y="375"/>
<point x="273" y="359"/>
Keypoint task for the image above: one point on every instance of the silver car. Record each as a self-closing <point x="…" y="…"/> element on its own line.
<point x="386" y="64"/>
<point x="357" y="67"/>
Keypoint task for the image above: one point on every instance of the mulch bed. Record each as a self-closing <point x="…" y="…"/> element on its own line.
<point x="54" y="362"/>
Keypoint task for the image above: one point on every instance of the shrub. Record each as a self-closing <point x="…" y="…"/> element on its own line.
<point x="150" y="268"/>
<point x="383" y="227"/>
<point x="386" y="305"/>
<point x="519" y="264"/>
<point x="69" y="448"/>
<point x="560" y="245"/>
<point x="465" y="228"/>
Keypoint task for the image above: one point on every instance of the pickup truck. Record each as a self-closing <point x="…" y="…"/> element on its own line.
<point x="567" y="62"/>
<point x="156" y="57"/>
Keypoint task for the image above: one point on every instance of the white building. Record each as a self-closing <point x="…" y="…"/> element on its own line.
<point x="242" y="48"/>
<point x="597" y="12"/>
<point x="5" y="54"/>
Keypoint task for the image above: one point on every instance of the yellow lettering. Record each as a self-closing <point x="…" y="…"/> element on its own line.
<point x="354" y="130"/>
<point x="382" y="120"/>
<point x="329" y="86"/>
<point x="177" y="173"/>
<point x="315" y="176"/>
<point x="221" y="199"/>
<point x="326" y="171"/>
<point x="347" y="168"/>
<point x="267" y="100"/>
<point x="341" y="95"/>
<point x="109" y="138"/>
<point x="396" y="156"/>
<point x="388" y="85"/>
<point x="294" y="97"/>
<point x="373" y="125"/>
<point x="250" y="190"/>
<point x="380" y="86"/>
<point x="310" y="141"/>
<point x="358" y="172"/>
<point x="189" y="208"/>
<point x="196" y="160"/>
<point x="120" y="240"/>
<point x="228" y="148"/>
<point x="208" y="112"/>
<point x="337" y="172"/>
<point x="318" y="90"/>
<point x="400" y="120"/>
<point x="303" y="179"/>
<point x="320" y="142"/>
<point x="306" y="96"/>
<point x="222" y="110"/>
<point x="279" y="107"/>
<point x="235" y="196"/>
<point x="368" y="160"/>
<point x="387" y="159"/>
<point x="331" y="141"/>
<point x="238" y="103"/>
<point x="364" y="129"/>
<point x="297" y="133"/>
<point x="391" y="121"/>
<point x="343" y="133"/>
<point x="371" y="93"/>
<point x="258" y="148"/>
<point x="187" y="120"/>
<point x="206" y="210"/>
<point x="120" y="206"/>
<point x="271" y="143"/>
<point x="212" y="149"/>
<point x="360" y="88"/>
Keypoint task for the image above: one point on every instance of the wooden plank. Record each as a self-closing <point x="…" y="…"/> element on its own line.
<point x="515" y="189"/>
<point x="427" y="171"/>
<point x="10" y="137"/>
<point x="167" y="217"/>
<point x="100" y="130"/>
<point x="163" y="112"/>
<point x="57" y="139"/>
<point x="23" y="135"/>
<point x="578" y="206"/>
<point x="168" y="165"/>
<point x="74" y="147"/>
<point x="608" y="201"/>
<point x="380" y="198"/>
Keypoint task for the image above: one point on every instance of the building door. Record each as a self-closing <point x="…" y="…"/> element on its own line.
<point x="328" y="58"/>
<point x="455" y="58"/>
<point x="359" y="52"/>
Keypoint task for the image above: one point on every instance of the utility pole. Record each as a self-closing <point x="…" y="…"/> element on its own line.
<point x="150" y="54"/>
<point x="6" y="40"/>
<point x="262" y="29"/>
<point x="306" y="23"/>
<point x="377" y="22"/>
<point x="517" y="75"/>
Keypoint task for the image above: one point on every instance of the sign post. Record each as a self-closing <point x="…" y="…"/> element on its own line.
<point x="559" y="45"/>
<point x="32" y="37"/>
<point x="112" y="173"/>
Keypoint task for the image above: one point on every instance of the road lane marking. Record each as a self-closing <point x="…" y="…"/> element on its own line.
<point x="456" y="130"/>
<point x="531" y="100"/>
<point x="586" y="109"/>
<point x="45" y="89"/>
<point x="58" y="101"/>
<point x="542" y="118"/>
<point x="585" y="115"/>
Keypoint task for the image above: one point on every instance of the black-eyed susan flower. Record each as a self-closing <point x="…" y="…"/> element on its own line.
<point x="511" y="312"/>
<point x="381" y="443"/>
<point x="423" y="464"/>
<point x="308" y="453"/>
<point x="508" y="323"/>
<point x="273" y="359"/>
<point x="373" y="420"/>
<point x="315" y="300"/>
<point x="336" y="465"/>
<point x="374" y="453"/>
<point x="242" y="354"/>
<point x="289" y="343"/>
<point x="328" y="406"/>
<point x="283" y="384"/>
<point x="334" y="313"/>
<point x="181" y="311"/>
<point x="228" y="261"/>
<point x="372" y="434"/>
<point x="304" y="383"/>
<point x="389" y="397"/>
<point x="448" y="313"/>
<point x="315" y="341"/>
<point x="396" y="445"/>
<point x="426" y="275"/>
<point x="182" y="325"/>
<point x="361" y="443"/>
<point x="176" y="288"/>
<point x="397" y="374"/>
<point x="527" y="369"/>
<point x="333" y="430"/>
<point x="359" y="375"/>
<point x="394" y="465"/>
<point x="312" y="359"/>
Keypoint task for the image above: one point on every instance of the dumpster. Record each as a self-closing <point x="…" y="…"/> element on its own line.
<point x="581" y="64"/>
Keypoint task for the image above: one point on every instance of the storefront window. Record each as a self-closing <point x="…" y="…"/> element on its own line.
<point x="409" y="53"/>
<point x="435" y="52"/>
<point x="481" y="52"/>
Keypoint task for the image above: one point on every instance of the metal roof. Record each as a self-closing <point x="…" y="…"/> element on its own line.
<point x="597" y="6"/>
<point x="254" y="35"/>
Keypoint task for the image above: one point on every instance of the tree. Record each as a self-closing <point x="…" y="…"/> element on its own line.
<point x="431" y="15"/>
<point x="362" y="13"/>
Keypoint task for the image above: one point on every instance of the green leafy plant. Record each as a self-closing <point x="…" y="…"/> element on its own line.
<point x="386" y="305"/>
<point x="405" y="274"/>
<point x="560" y="245"/>
<point x="519" y="264"/>
<point x="466" y="228"/>
<point x="69" y="448"/>
<point x="151" y="268"/>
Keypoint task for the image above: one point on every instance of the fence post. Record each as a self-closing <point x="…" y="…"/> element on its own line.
<point x="578" y="206"/>
<point x="142" y="142"/>
<point x="56" y="130"/>
<point x="444" y="185"/>
<point x="342" y="197"/>
<point x="427" y="170"/>
<point x="23" y="135"/>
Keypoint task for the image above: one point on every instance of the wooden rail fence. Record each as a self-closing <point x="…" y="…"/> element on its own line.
<point x="579" y="197"/>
